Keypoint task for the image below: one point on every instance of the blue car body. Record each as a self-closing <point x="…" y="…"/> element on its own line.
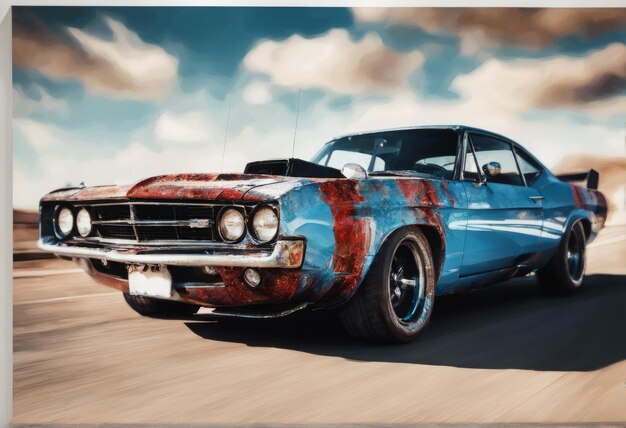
<point x="478" y="233"/>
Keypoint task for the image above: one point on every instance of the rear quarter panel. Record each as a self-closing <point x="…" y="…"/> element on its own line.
<point x="564" y="204"/>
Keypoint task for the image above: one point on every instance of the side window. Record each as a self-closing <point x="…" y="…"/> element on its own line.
<point x="492" y="151"/>
<point x="529" y="167"/>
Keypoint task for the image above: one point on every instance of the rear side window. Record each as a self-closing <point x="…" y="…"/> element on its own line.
<point x="488" y="150"/>
<point x="529" y="167"/>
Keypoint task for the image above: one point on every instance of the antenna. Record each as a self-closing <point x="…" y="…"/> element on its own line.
<point x="230" y="104"/>
<point x="295" y="129"/>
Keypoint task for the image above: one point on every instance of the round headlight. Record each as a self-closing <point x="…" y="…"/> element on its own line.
<point x="65" y="221"/>
<point x="265" y="224"/>
<point x="83" y="223"/>
<point x="232" y="225"/>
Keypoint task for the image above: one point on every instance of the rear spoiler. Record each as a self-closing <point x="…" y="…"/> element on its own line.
<point x="592" y="177"/>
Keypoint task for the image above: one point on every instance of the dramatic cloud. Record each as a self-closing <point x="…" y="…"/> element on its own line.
<point x="530" y="27"/>
<point x="188" y="127"/>
<point x="593" y="84"/>
<point x="334" y="62"/>
<point x="124" y="66"/>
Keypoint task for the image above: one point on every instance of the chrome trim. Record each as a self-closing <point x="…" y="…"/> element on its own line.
<point x="169" y="242"/>
<point x="200" y="285"/>
<point x="286" y="254"/>
<point x="133" y="219"/>
<point x="135" y="223"/>
<point x="170" y="203"/>
<point x="195" y="223"/>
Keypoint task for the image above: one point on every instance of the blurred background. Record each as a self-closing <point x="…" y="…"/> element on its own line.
<point x="112" y="95"/>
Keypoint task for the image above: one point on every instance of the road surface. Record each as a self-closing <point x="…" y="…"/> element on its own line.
<point x="502" y="354"/>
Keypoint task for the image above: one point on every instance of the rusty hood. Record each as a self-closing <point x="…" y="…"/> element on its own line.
<point x="223" y="187"/>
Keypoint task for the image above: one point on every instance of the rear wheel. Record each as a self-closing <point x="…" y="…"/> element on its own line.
<point x="158" y="308"/>
<point x="395" y="301"/>
<point x="565" y="272"/>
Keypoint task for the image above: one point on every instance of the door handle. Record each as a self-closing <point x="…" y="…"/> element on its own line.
<point x="536" y="198"/>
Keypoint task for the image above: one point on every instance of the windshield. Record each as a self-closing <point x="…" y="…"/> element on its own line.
<point x="429" y="152"/>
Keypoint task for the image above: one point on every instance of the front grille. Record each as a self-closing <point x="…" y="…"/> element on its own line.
<point x="115" y="231"/>
<point x="150" y="221"/>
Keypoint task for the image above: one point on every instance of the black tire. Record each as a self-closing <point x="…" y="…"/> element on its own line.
<point x="564" y="274"/>
<point x="375" y="312"/>
<point x="158" y="308"/>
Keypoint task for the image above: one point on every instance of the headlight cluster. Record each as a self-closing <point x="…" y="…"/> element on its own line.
<point x="263" y="224"/>
<point x="65" y="222"/>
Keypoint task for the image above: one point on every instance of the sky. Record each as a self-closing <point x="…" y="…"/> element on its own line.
<point x="113" y="95"/>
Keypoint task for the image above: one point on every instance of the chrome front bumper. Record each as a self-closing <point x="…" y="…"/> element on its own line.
<point x="286" y="254"/>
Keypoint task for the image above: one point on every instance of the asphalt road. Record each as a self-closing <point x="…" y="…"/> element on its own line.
<point x="502" y="354"/>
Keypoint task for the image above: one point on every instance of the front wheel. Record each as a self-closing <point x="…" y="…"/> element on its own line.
<point x="158" y="308"/>
<point x="395" y="300"/>
<point x="564" y="274"/>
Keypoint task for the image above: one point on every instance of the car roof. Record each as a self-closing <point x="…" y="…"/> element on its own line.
<point x="452" y="127"/>
<point x="457" y="128"/>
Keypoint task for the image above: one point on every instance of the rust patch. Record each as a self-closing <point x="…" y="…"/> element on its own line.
<point x="446" y="190"/>
<point x="579" y="197"/>
<point x="190" y="186"/>
<point x="278" y="286"/>
<point x="88" y="193"/>
<point x="602" y="206"/>
<point x="228" y="187"/>
<point x="419" y="192"/>
<point x="352" y="234"/>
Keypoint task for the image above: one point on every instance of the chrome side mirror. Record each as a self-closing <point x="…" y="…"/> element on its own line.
<point x="492" y="169"/>
<point x="354" y="171"/>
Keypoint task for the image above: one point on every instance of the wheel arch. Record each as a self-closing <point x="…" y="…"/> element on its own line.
<point x="583" y="218"/>
<point x="586" y="227"/>
<point x="435" y="238"/>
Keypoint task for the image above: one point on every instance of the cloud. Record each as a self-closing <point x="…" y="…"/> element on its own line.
<point x="527" y="27"/>
<point x="41" y="136"/>
<point x="188" y="127"/>
<point x="36" y="99"/>
<point x="123" y="67"/>
<point x="257" y="93"/>
<point x="251" y="138"/>
<point x="593" y="84"/>
<point x="334" y="62"/>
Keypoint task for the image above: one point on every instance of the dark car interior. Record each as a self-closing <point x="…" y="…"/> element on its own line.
<point x="427" y="151"/>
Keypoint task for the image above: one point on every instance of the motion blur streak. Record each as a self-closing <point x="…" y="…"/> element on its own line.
<point x="502" y="354"/>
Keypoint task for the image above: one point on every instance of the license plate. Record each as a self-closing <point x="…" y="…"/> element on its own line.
<point x="152" y="281"/>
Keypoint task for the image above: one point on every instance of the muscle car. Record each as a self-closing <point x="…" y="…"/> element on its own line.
<point x="374" y="227"/>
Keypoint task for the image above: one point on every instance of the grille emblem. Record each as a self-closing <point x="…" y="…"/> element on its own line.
<point x="199" y="223"/>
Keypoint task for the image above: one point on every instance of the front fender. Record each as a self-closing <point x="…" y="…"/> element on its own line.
<point x="346" y="222"/>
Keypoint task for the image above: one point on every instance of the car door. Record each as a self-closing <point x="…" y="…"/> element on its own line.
<point x="504" y="215"/>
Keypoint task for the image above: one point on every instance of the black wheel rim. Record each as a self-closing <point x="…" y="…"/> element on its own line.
<point x="575" y="256"/>
<point x="406" y="285"/>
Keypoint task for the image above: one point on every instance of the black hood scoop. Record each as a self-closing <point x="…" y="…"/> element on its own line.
<point x="292" y="167"/>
